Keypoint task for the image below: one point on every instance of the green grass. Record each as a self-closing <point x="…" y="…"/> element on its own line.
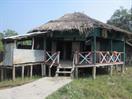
<point x="104" y="87"/>
<point x="17" y="82"/>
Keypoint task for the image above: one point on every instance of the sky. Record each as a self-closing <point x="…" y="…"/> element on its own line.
<point x="23" y="15"/>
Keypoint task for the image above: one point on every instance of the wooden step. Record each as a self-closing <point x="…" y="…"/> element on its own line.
<point x="64" y="72"/>
<point x="66" y="67"/>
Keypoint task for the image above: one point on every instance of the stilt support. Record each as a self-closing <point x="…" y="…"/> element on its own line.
<point x="43" y="70"/>
<point x="94" y="72"/>
<point x="22" y="72"/>
<point x="2" y="76"/>
<point x="49" y="72"/>
<point x="76" y="72"/>
<point x="111" y="70"/>
<point x="31" y="71"/>
<point x="122" y="68"/>
<point x="13" y="73"/>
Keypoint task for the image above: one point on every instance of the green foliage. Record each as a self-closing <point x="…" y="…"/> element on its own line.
<point x="104" y="87"/>
<point x="122" y="18"/>
<point x="6" y="33"/>
<point x="9" y="32"/>
<point x="1" y="35"/>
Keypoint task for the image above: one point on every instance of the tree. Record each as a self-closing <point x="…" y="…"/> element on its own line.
<point x="1" y="35"/>
<point x="122" y="18"/>
<point x="9" y="32"/>
<point x="6" y="33"/>
<point x="1" y="45"/>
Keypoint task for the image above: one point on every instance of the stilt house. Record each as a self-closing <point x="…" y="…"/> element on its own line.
<point x="67" y="44"/>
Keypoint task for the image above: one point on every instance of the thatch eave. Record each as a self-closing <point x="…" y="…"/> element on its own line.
<point x="77" y="21"/>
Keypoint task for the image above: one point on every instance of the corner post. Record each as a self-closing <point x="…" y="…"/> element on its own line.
<point x="124" y="56"/>
<point x="94" y="58"/>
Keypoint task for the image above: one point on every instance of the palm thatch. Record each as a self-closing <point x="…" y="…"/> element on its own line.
<point x="75" y="21"/>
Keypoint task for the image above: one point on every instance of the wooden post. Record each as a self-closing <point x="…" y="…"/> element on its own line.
<point x="72" y="75"/>
<point x="32" y="43"/>
<point x="94" y="49"/>
<point x="122" y="68"/>
<point x="49" y="72"/>
<point x="43" y="70"/>
<point x="111" y="70"/>
<point x="94" y="58"/>
<point x="111" y="45"/>
<point x="124" y="57"/>
<point x="22" y="72"/>
<point x="76" y="72"/>
<point x="15" y="44"/>
<point x="116" y="68"/>
<point x="94" y="72"/>
<point x="31" y="70"/>
<point x="2" y="76"/>
<point x="13" y="73"/>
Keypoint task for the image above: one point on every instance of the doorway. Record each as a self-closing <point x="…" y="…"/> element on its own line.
<point x="65" y="48"/>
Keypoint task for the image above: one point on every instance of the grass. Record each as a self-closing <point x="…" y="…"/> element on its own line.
<point x="17" y="82"/>
<point x="104" y="87"/>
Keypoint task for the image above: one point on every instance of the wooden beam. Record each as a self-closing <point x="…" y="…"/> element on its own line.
<point x="22" y="72"/>
<point x="13" y="73"/>
<point x="31" y="70"/>
<point x="94" y="72"/>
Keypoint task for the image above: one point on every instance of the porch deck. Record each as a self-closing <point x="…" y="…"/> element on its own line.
<point x="84" y="60"/>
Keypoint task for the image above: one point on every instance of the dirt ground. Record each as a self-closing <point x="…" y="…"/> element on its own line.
<point x="35" y="90"/>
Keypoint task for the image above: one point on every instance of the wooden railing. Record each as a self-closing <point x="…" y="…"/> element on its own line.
<point x="84" y="58"/>
<point x="109" y="57"/>
<point x="52" y="58"/>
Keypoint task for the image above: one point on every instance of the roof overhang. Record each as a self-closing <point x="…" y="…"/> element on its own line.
<point x="24" y="35"/>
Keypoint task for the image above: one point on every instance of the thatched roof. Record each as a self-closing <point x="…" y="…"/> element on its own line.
<point x="75" y="21"/>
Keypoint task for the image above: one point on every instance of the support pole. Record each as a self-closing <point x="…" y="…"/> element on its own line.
<point x="111" y="70"/>
<point x="94" y="72"/>
<point x="111" y="45"/>
<point x="22" y="72"/>
<point x="124" y="56"/>
<point x="31" y="71"/>
<point x="43" y="70"/>
<point x="13" y="73"/>
<point x="2" y="76"/>
<point x="94" y="58"/>
<point x="49" y="72"/>
<point x="76" y="72"/>
<point x="122" y="68"/>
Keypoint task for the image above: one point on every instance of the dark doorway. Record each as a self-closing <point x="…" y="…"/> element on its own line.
<point x="60" y="47"/>
<point x="87" y="47"/>
<point x="65" y="48"/>
<point x="68" y="50"/>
